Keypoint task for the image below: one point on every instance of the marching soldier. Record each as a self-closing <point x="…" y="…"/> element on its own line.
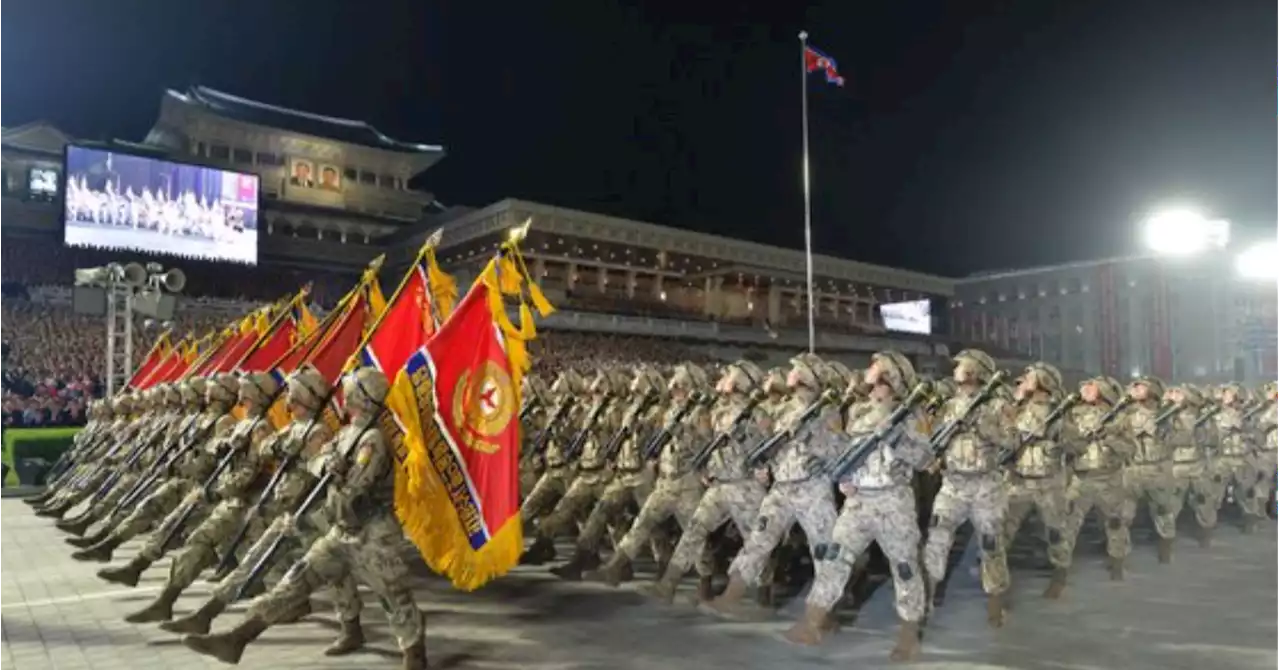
<point x="632" y="481"/>
<point x="83" y="446"/>
<point x="1096" y="438"/>
<point x="537" y="398"/>
<point x="558" y="472"/>
<point x="732" y="493"/>
<point x="1039" y="478"/>
<point x="1149" y="474"/>
<point x="973" y="481"/>
<point x="364" y="539"/>
<point x="1194" y="478"/>
<point x="193" y="463"/>
<point x="1236" y="455"/>
<point x="879" y="506"/>
<point x="799" y="494"/>
<point x="132" y="421"/>
<point x="677" y="490"/>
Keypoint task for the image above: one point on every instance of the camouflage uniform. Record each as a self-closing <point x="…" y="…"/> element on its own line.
<point x="973" y="485"/>
<point x="1039" y="479"/>
<point x="365" y="539"/>
<point x="798" y="495"/>
<point x="733" y="493"/>
<point x="677" y="490"/>
<point x="190" y="464"/>
<point x="879" y="507"/>
<point x="595" y="492"/>
<point x="1149" y="475"/>
<point x="1195" y="482"/>
<point x="1237" y="459"/>
<point x="557" y="474"/>
<point x="143" y="424"/>
<point x="1099" y="453"/>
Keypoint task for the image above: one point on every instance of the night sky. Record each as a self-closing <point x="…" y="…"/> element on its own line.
<point x="970" y="135"/>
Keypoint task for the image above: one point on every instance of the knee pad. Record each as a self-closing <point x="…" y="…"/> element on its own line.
<point x="989" y="542"/>
<point x="933" y="521"/>
<point x="905" y="573"/>
<point x="1249" y="492"/>
<point x="1055" y="536"/>
<point x="1201" y="498"/>
<point x="1217" y="479"/>
<point x="1161" y="510"/>
<point x="1115" y="523"/>
<point x="761" y="524"/>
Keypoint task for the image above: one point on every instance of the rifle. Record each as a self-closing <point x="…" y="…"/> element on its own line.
<point x="1208" y="414"/>
<point x="166" y="458"/>
<point x="700" y="459"/>
<point x="529" y="405"/>
<point x="659" y="441"/>
<point x="857" y="453"/>
<point x="637" y="410"/>
<point x="942" y="437"/>
<point x="62" y="471"/>
<point x="303" y="509"/>
<point x="131" y="460"/>
<point x="1009" y="455"/>
<point x="764" y="451"/>
<point x="1110" y="416"/>
<point x="544" y="436"/>
<point x="228" y="560"/>
<point x="574" y="450"/>
<point x="1255" y="410"/>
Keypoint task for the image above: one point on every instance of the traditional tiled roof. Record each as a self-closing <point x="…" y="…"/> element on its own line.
<point x="307" y="123"/>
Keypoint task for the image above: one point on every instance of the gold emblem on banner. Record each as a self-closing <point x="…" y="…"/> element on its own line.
<point x="483" y="407"/>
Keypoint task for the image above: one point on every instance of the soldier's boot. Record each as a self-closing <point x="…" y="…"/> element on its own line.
<point x="221" y="573"/>
<point x="300" y="610"/>
<point x="100" y="552"/>
<point x="126" y="574"/>
<point x="160" y="609"/>
<point x="198" y="621"/>
<point x="350" y="639"/>
<point x="908" y="645"/>
<point x="542" y="550"/>
<point x="811" y="627"/>
<point x="54" y="512"/>
<point x="1165" y="550"/>
<point x="613" y="572"/>
<point x="415" y="657"/>
<point x="1057" y="584"/>
<point x="731" y="605"/>
<point x="764" y="595"/>
<point x="572" y="571"/>
<point x="227" y="647"/>
<point x="1116" y="568"/>
<point x="1204" y="536"/>
<point x="664" y="589"/>
<point x="38" y="500"/>
<point x="703" y="593"/>
<point x="995" y="610"/>
<point x="89" y="540"/>
<point x="78" y="525"/>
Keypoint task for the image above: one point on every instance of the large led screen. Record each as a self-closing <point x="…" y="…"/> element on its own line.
<point x="908" y="317"/>
<point x="136" y="203"/>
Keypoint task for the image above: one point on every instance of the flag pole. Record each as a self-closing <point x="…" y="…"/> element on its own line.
<point x="808" y="211"/>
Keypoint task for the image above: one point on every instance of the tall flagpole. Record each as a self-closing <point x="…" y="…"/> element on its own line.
<point x="808" y="215"/>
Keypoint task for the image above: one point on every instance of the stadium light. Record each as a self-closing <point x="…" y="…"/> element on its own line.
<point x="1184" y="232"/>
<point x="1258" y="262"/>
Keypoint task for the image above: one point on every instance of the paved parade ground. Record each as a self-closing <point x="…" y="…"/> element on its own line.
<point x="1213" y="608"/>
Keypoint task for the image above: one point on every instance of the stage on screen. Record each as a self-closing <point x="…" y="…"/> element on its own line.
<point x="913" y="316"/>
<point x="130" y="202"/>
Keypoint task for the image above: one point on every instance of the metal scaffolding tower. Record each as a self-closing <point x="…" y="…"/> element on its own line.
<point x="119" y="336"/>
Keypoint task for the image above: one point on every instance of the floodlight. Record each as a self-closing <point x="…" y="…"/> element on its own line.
<point x="1184" y="232"/>
<point x="1258" y="262"/>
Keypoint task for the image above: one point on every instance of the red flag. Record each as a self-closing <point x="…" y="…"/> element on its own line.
<point x="404" y="327"/>
<point x="272" y="350"/>
<point x="816" y="61"/>
<point x="341" y="341"/>
<point x="159" y="352"/>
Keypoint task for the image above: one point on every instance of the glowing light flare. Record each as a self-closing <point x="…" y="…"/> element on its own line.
<point x="1258" y="262"/>
<point x="1184" y="232"/>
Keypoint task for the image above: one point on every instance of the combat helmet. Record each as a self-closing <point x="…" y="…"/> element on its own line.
<point x="222" y="389"/>
<point x="983" y="366"/>
<point x="690" y="377"/>
<point x="743" y="376"/>
<point x="192" y="391"/>
<point x="1047" y="377"/>
<point x="896" y="371"/>
<point x="568" y="382"/>
<point x="365" y="389"/>
<point x="258" y="388"/>
<point x="307" y="388"/>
